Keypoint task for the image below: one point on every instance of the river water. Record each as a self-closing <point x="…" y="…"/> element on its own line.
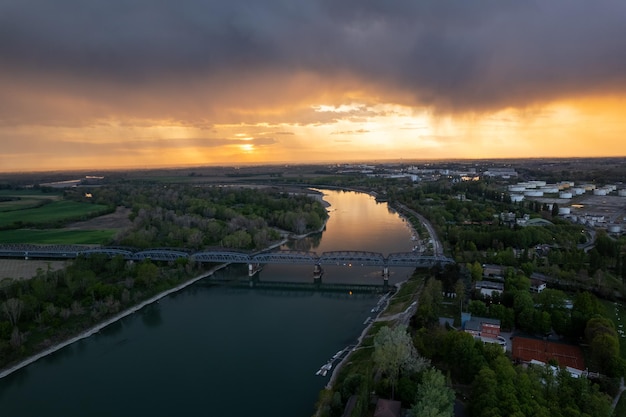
<point x="218" y="351"/>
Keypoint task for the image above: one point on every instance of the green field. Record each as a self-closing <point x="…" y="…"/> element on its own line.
<point x="21" y="204"/>
<point x="57" y="236"/>
<point x="54" y="212"/>
<point x="31" y="193"/>
<point x="25" y="199"/>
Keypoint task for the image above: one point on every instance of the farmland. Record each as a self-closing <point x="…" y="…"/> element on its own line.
<point x="54" y="213"/>
<point x="57" y="236"/>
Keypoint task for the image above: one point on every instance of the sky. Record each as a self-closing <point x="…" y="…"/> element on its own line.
<point x="148" y="83"/>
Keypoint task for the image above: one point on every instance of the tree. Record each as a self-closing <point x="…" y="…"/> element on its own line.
<point x="394" y="352"/>
<point x="12" y="308"/>
<point x="555" y="210"/>
<point x="434" y="398"/>
<point x="459" y="289"/>
<point x="476" y="271"/>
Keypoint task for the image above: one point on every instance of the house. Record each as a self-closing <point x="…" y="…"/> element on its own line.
<point x="493" y="271"/>
<point x="537" y="285"/>
<point x="487" y="288"/>
<point x="482" y="327"/>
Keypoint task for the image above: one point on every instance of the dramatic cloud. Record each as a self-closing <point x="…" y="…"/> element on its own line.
<point x="275" y="65"/>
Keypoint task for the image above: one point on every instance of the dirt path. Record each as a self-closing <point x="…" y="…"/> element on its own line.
<point x="23" y="269"/>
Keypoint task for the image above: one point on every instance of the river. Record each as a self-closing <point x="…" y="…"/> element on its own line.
<point x="219" y="351"/>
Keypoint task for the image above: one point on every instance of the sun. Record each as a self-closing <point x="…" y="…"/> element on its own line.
<point x="247" y="147"/>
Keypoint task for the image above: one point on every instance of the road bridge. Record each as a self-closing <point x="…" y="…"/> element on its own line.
<point x="219" y="255"/>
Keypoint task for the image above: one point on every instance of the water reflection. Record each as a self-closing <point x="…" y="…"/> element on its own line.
<point x="151" y="315"/>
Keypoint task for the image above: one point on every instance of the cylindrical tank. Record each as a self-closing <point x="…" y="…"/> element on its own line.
<point x="599" y="191"/>
<point x="538" y="183"/>
<point x="622" y="193"/>
<point x="565" y="194"/>
<point x="564" y="210"/>
<point x="533" y="193"/>
<point x="517" y="188"/>
<point x="516" y="198"/>
<point x="614" y="228"/>
<point x="578" y="190"/>
<point x="550" y="189"/>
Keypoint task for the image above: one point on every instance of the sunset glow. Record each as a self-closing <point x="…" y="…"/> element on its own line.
<point x="315" y="83"/>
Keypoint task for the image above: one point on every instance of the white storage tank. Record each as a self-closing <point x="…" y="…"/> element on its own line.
<point x="533" y="193"/>
<point x="599" y="191"/>
<point x="517" y="188"/>
<point x="550" y="189"/>
<point x="565" y="194"/>
<point x="527" y="185"/>
<point x="589" y="187"/>
<point x="538" y="183"/>
<point x="614" y="228"/>
<point x="622" y="193"/>
<point x="578" y="190"/>
<point x="516" y="198"/>
<point x="565" y="210"/>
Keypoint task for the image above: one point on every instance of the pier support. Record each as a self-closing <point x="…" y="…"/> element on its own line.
<point x="253" y="269"/>
<point x="386" y="275"/>
<point x="318" y="272"/>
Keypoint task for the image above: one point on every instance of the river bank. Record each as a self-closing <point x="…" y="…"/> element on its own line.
<point x="95" y="329"/>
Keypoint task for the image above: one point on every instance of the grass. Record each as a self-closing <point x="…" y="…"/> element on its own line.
<point x="57" y="236"/>
<point x="30" y="193"/>
<point x="405" y="296"/>
<point x="56" y="211"/>
<point x="20" y="204"/>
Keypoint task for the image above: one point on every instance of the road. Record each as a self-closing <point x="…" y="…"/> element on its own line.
<point x="437" y="246"/>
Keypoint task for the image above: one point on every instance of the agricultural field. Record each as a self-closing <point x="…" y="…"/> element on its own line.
<point x="57" y="236"/>
<point x="14" y="200"/>
<point x="49" y="214"/>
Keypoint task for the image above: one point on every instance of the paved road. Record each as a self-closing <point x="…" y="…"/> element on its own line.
<point x="437" y="246"/>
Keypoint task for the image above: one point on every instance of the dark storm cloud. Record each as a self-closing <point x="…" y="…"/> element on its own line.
<point x="453" y="55"/>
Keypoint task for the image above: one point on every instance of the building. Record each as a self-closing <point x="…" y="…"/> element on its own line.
<point x="488" y="288"/>
<point x="482" y="327"/>
<point x="493" y="271"/>
<point x="536" y="285"/>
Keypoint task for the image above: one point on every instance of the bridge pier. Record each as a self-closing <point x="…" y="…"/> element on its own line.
<point x="253" y="269"/>
<point x="386" y="275"/>
<point x="318" y="272"/>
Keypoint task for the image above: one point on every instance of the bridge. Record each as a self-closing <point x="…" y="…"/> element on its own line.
<point x="253" y="260"/>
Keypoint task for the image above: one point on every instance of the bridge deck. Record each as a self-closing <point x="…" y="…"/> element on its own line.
<point x="352" y="258"/>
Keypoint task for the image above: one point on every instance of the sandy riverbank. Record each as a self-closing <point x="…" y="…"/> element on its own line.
<point x="100" y="326"/>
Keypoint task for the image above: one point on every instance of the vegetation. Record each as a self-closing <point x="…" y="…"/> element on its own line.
<point x="55" y="305"/>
